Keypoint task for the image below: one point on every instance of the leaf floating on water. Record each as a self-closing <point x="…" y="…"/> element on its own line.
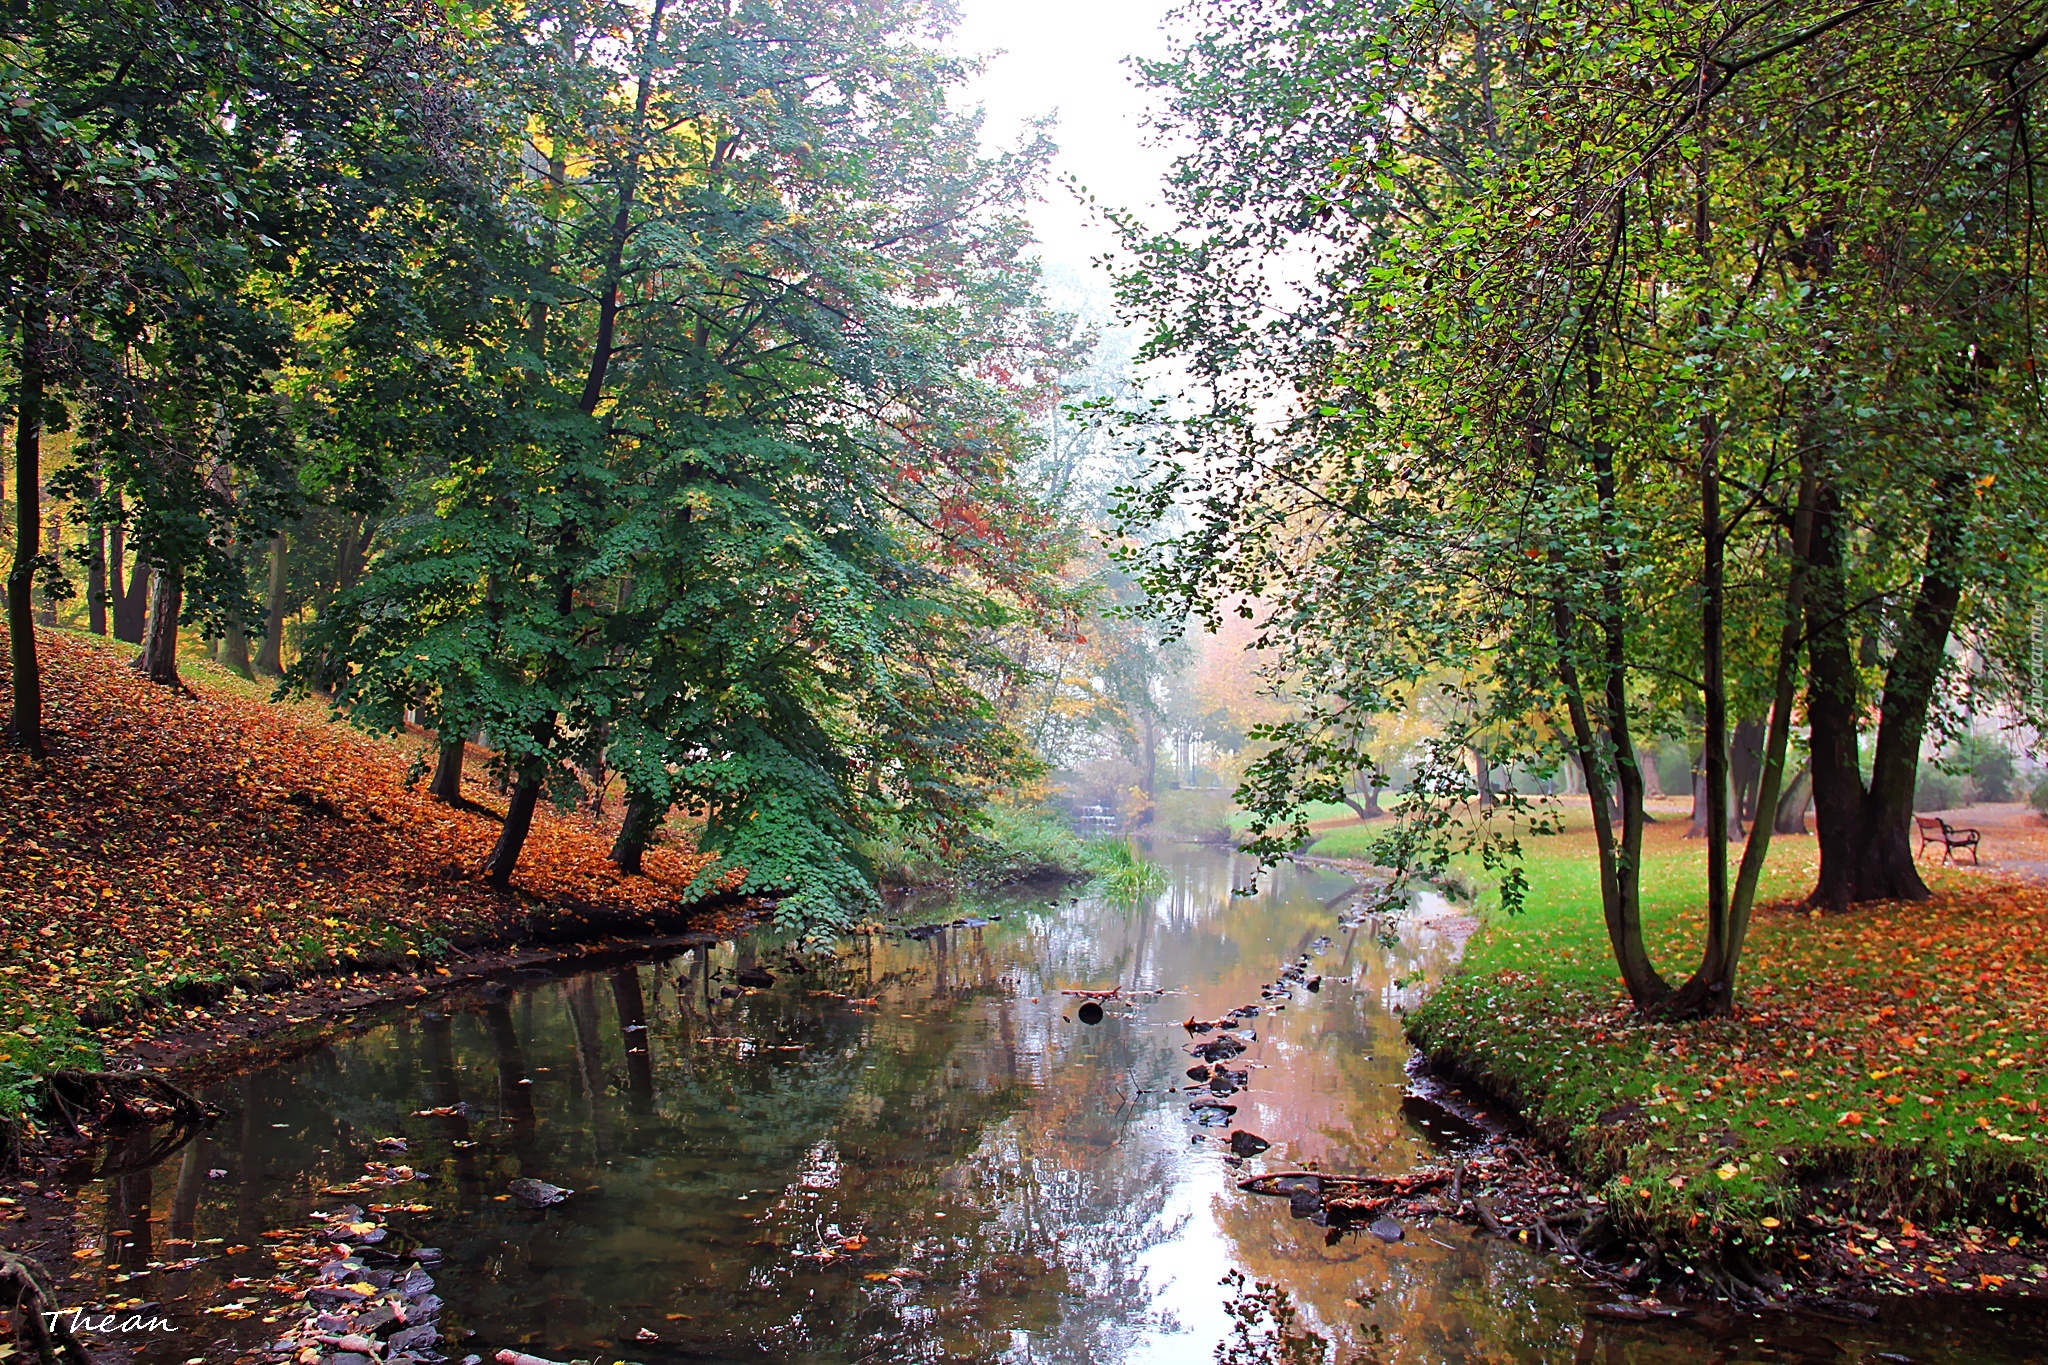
<point x="512" y="1357"/>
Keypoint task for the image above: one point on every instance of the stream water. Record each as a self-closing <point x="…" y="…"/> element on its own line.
<point x="911" y="1150"/>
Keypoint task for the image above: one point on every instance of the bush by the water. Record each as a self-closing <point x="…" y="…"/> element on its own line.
<point x="1121" y="871"/>
<point x="1018" y="843"/>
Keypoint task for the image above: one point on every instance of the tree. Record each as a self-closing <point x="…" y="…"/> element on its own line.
<point x="737" y="511"/>
<point x="1577" y="276"/>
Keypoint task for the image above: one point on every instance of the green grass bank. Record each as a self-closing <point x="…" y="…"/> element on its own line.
<point x="1885" y="1068"/>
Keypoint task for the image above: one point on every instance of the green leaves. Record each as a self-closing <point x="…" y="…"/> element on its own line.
<point x="706" y="425"/>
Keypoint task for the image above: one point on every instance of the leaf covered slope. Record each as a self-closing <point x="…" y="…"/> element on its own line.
<point x="172" y="840"/>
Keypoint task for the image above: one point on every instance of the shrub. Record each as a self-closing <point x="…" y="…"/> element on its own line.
<point x="1939" y="790"/>
<point x="1985" y="760"/>
<point x="1121" y="871"/>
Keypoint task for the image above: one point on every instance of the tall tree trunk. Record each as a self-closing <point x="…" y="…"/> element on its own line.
<point x="130" y="588"/>
<point x="1713" y="608"/>
<point x="643" y="813"/>
<point x="53" y="537"/>
<point x="1832" y="700"/>
<point x="1791" y="813"/>
<point x="1482" y="776"/>
<point x="1866" y="850"/>
<point x="1697" y="828"/>
<point x="26" y="725"/>
<point x="96" y="578"/>
<point x="270" y="654"/>
<point x="1711" y="989"/>
<point x="1885" y="869"/>
<point x="1620" y="882"/>
<point x="160" y="641"/>
<point x="1746" y="765"/>
<point x="447" y="783"/>
<point x="526" y="794"/>
<point x="504" y="856"/>
<point x="1369" y="788"/>
<point x="232" y="650"/>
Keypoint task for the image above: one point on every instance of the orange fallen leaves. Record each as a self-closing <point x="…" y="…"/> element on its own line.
<point x="172" y="839"/>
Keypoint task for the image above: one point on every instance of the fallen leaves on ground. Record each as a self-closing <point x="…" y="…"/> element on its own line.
<point x="175" y="838"/>
<point x="1891" y="1060"/>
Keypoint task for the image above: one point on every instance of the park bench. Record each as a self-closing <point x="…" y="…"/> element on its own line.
<point x="1934" y="830"/>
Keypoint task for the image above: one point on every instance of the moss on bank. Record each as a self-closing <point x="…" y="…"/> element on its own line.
<point x="1886" y="1062"/>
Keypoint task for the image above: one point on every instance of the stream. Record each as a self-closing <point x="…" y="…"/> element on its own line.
<point x="912" y="1149"/>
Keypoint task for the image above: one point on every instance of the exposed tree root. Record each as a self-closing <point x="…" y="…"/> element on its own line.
<point x="37" y="1319"/>
<point x="125" y="1098"/>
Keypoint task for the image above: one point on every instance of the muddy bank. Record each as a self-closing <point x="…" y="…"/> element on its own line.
<point x="1833" y="1258"/>
<point x="242" y="1029"/>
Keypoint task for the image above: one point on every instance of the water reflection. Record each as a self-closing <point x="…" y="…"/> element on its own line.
<point x="908" y="1150"/>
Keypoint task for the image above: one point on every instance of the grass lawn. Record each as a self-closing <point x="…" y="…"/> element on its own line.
<point x="1885" y="1062"/>
<point x="1313" y="811"/>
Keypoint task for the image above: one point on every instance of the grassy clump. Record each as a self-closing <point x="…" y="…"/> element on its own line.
<point x="35" y="1043"/>
<point x="1888" y="1061"/>
<point x="1122" y="872"/>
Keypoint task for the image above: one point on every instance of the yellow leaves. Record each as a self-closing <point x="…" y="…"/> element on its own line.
<point x="1727" y="1171"/>
<point x="1769" y="1222"/>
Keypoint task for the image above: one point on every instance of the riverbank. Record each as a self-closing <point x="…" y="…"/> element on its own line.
<point x="187" y="858"/>
<point x="1871" y="1118"/>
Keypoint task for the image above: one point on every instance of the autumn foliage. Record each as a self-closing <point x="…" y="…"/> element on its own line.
<point x="1891" y="1060"/>
<point x="176" y="838"/>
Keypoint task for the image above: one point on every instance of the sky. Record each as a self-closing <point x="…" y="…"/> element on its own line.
<point x="1067" y="57"/>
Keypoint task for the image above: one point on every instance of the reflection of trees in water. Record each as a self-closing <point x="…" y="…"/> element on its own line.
<point x="954" y="1094"/>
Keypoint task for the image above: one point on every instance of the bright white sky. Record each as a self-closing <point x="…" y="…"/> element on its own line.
<point x="1068" y="57"/>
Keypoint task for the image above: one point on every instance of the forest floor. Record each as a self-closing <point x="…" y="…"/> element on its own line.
<point x="179" y="856"/>
<point x="1875" y="1105"/>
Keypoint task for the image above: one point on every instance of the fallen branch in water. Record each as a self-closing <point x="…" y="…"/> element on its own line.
<point x="512" y="1357"/>
<point x="1395" y="1186"/>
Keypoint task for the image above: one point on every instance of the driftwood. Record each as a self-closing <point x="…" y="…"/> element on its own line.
<point x="37" y="1319"/>
<point x="1392" y="1186"/>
